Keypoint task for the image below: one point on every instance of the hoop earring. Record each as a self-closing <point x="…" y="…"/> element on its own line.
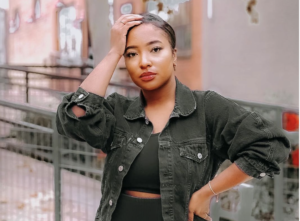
<point x="174" y="67"/>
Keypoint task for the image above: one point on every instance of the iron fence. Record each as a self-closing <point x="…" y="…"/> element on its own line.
<point x="45" y="176"/>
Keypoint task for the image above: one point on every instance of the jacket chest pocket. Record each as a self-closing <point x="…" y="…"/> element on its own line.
<point x="116" y="147"/>
<point x="195" y="156"/>
<point x="194" y="152"/>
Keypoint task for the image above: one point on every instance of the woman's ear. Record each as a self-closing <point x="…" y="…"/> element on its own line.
<point x="174" y="52"/>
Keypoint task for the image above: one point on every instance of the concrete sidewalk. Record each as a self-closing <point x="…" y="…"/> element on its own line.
<point x="27" y="191"/>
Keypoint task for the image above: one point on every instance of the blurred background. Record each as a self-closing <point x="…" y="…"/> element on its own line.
<point x="246" y="50"/>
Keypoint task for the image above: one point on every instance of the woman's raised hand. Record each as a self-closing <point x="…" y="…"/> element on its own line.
<point x="119" y="32"/>
<point x="98" y="80"/>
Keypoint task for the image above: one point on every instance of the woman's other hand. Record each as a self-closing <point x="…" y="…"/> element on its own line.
<point x="200" y="205"/>
<point x="119" y="32"/>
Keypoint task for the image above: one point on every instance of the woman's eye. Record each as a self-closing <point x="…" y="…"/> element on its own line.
<point x="130" y="55"/>
<point x="156" y="49"/>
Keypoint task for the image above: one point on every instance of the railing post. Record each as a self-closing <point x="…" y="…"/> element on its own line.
<point x="278" y="195"/>
<point x="27" y="86"/>
<point x="82" y="71"/>
<point x="279" y="179"/>
<point x="57" y="175"/>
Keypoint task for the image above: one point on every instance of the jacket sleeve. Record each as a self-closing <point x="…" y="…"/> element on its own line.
<point x="253" y="143"/>
<point x="96" y="126"/>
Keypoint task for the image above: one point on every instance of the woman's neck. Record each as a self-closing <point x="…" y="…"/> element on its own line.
<point x="162" y="95"/>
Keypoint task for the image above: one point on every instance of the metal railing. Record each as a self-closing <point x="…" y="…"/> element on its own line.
<point x="83" y="69"/>
<point x="45" y="176"/>
<point x="44" y="86"/>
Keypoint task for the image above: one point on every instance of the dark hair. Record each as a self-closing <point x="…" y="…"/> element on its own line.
<point x="149" y="18"/>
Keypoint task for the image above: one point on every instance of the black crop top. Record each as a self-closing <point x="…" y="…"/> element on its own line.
<point x="143" y="174"/>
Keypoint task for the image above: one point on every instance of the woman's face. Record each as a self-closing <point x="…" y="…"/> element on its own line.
<point x="149" y="56"/>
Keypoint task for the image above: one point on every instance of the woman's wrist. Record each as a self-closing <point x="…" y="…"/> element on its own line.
<point x="114" y="52"/>
<point x="205" y="191"/>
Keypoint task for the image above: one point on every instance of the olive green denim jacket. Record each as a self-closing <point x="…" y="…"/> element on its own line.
<point x="203" y="130"/>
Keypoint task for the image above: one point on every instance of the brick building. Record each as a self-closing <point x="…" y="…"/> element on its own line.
<point x="47" y="32"/>
<point x="36" y="36"/>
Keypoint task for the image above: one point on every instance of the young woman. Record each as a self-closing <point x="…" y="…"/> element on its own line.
<point x="165" y="146"/>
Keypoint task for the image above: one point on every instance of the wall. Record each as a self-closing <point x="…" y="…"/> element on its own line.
<point x="36" y="42"/>
<point x="189" y="69"/>
<point x="32" y="42"/>
<point x="248" y="61"/>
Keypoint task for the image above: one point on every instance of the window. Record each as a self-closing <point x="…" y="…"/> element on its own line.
<point x="69" y="35"/>
<point x="3" y="45"/>
<point x="14" y="23"/>
<point x="37" y="9"/>
<point x="36" y="12"/>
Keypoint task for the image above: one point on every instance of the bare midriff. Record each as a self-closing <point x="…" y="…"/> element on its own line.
<point x="141" y="194"/>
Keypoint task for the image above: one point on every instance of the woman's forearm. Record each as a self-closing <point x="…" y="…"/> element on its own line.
<point x="98" y="80"/>
<point x="226" y="180"/>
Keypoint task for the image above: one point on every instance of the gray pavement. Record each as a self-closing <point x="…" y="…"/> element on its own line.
<point x="27" y="191"/>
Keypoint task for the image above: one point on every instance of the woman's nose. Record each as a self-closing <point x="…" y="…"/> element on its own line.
<point x="145" y="61"/>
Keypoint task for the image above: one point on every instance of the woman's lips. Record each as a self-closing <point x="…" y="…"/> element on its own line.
<point x="148" y="76"/>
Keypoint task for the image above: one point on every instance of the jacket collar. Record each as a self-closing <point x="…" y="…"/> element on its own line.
<point x="185" y="103"/>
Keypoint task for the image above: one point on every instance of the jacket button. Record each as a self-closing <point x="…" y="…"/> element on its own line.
<point x="139" y="140"/>
<point x="120" y="168"/>
<point x="199" y="155"/>
<point x="262" y="174"/>
<point x="80" y="96"/>
<point x="110" y="202"/>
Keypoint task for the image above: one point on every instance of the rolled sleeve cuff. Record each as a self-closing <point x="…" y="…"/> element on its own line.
<point x="89" y="101"/>
<point x="254" y="168"/>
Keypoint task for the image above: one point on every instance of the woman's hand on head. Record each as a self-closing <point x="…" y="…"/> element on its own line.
<point x="119" y="32"/>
